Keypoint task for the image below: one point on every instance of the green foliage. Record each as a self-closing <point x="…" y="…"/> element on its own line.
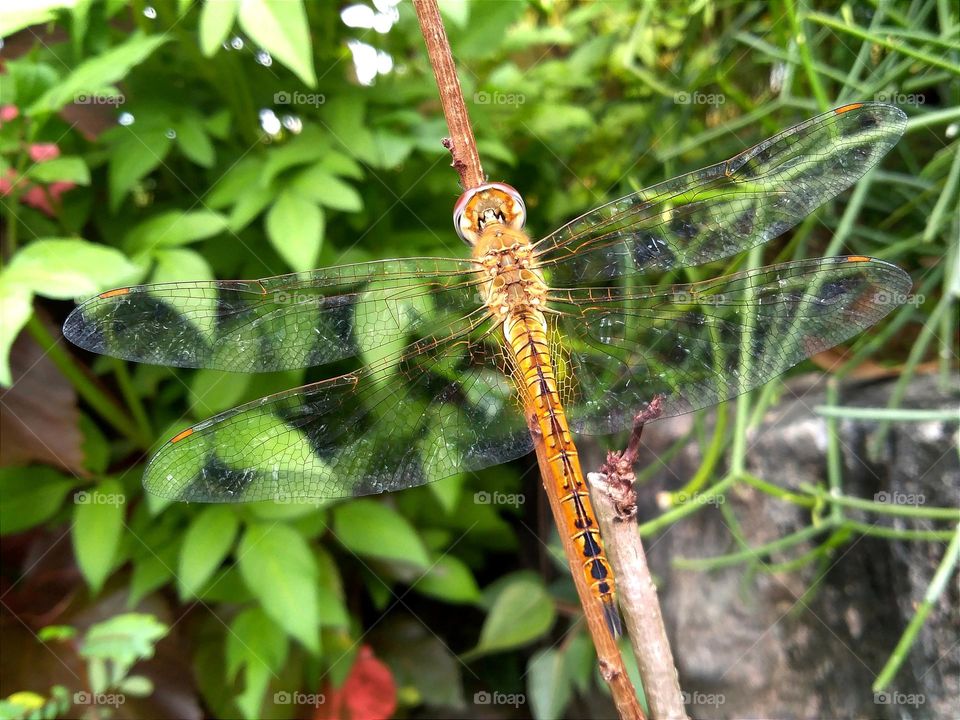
<point x="232" y="139"/>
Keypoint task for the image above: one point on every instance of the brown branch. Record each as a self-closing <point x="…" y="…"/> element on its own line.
<point x="461" y="143"/>
<point x="466" y="161"/>
<point x="616" y="504"/>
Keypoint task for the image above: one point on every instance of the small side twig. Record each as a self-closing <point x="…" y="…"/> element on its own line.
<point x="461" y="143"/>
<point x="616" y="504"/>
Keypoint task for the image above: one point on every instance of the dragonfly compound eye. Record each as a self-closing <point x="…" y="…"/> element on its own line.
<point x="488" y="203"/>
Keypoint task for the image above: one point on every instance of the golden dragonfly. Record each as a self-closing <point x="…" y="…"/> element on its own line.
<point x="464" y="358"/>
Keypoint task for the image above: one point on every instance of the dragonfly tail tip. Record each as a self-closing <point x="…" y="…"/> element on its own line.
<point x="612" y="616"/>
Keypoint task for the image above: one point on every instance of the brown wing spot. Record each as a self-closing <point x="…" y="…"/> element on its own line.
<point x="114" y="293"/>
<point x="848" y="108"/>
<point x="857" y="258"/>
<point x="181" y="435"/>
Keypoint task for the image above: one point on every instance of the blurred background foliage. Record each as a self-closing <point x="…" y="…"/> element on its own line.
<point x="157" y="141"/>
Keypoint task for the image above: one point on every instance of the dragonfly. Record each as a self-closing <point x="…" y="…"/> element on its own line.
<point x="463" y="362"/>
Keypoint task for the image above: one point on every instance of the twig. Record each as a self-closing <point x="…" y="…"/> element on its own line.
<point x="461" y="143"/>
<point x="616" y="506"/>
<point x="466" y="161"/>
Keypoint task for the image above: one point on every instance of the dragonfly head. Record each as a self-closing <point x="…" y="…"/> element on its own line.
<point x="486" y="204"/>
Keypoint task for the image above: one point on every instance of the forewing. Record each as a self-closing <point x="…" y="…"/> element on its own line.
<point x="278" y="323"/>
<point x="437" y="409"/>
<point x="724" y="209"/>
<point x="700" y="344"/>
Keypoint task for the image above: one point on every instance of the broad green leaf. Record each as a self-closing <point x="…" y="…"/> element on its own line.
<point x="123" y="639"/>
<point x="317" y="183"/>
<point x="280" y="27"/>
<point x="547" y="685"/>
<point x="251" y="203"/>
<point x="26" y="80"/>
<point x="233" y="183"/>
<point x="67" y="268"/>
<point x="30" y="496"/>
<point x="309" y="147"/>
<point x="94" y="75"/>
<point x="179" y="264"/>
<point x="255" y="639"/>
<point x="193" y="140"/>
<point x="206" y="544"/>
<point x="295" y="229"/>
<point x="61" y="169"/>
<point x="372" y="529"/>
<point x="137" y="686"/>
<point x="15" y="16"/>
<point x="97" y="527"/>
<point x="450" y="579"/>
<point x="16" y="306"/>
<point x="216" y="20"/>
<point x="213" y="391"/>
<point x="279" y="569"/>
<point x="522" y="612"/>
<point x="132" y="157"/>
<point x="455" y="11"/>
<point x="151" y="570"/>
<point x="174" y="227"/>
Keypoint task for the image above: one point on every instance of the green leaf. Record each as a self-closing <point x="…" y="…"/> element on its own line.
<point x="216" y="20"/>
<point x="94" y="75"/>
<point x="97" y="527"/>
<point x="67" y="268"/>
<point x="213" y="391"/>
<point x="241" y="177"/>
<point x="280" y="27"/>
<point x="254" y="639"/>
<point x="177" y="264"/>
<point x="16" y="307"/>
<point x="26" y="80"/>
<point x="251" y="203"/>
<point x="522" y="612"/>
<point x="547" y="685"/>
<point x="61" y="169"/>
<point x="318" y="184"/>
<point x="16" y="16"/>
<point x="132" y="157"/>
<point x="206" y="544"/>
<point x="137" y="686"/>
<point x="279" y="569"/>
<point x="30" y="496"/>
<point x="372" y="529"/>
<point x="151" y="571"/>
<point x="172" y="228"/>
<point x="449" y="579"/>
<point x="123" y="639"/>
<point x="194" y="141"/>
<point x="295" y="229"/>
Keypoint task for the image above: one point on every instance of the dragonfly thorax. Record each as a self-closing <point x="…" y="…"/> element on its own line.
<point x="514" y="285"/>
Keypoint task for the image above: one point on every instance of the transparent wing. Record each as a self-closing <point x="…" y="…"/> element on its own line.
<point x="700" y="344"/>
<point x="278" y="323"/>
<point x="724" y="209"/>
<point x="439" y="408"/>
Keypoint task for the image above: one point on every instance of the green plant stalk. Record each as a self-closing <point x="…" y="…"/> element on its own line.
<point x="777" y="491"/>
<point x="133" y="400"/>
<point x="87" y="389"/>
<point x="896" y="415"/>
<point x="671" y="516"/>
<point x="834" y="456"/>
<point x="907" y="511"/>
<point x="720" y="561"/>
<point x="806" y="57"/>
<point x="937" y="217"/>
<point x="934" y="590"/>
<point x="710" y="459"/>
<point x="862" y="34"/>
<point x="889" y="533"/>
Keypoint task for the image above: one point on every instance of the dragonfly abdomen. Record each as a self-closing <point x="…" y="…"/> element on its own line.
<point x="526" y="335"/>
